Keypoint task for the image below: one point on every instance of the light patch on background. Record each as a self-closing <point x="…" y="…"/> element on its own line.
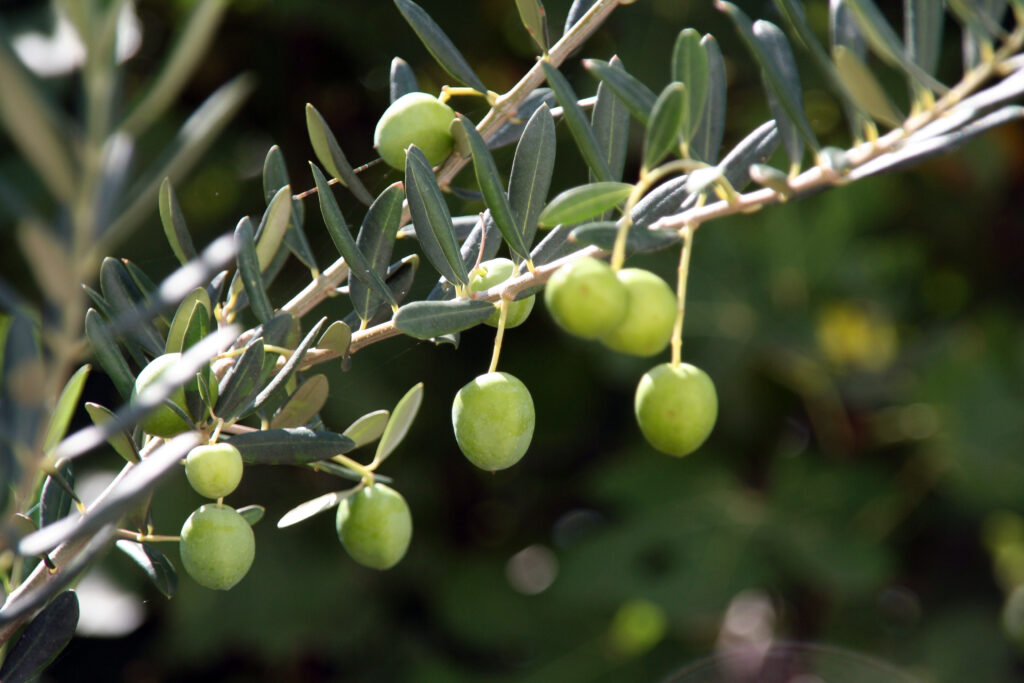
<point x="63" y="51"/>
<point x="107" y="610"/>
<point x="748" y="629"/>
<point x="532" y="570"/>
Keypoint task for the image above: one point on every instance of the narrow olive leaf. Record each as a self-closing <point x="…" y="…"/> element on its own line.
<point x="576" y="12"/>
<point x="100" y="337"/>
<point x="252" y="514"/>
<point x="690" y="67"/>
<point x="580" y="203"/>
<point x="328" y="151"/>
<point x="241" y="382"/>
<point x="123" y="295"/>
<point x="290" y="446"/>
<point x="610" y="121"/>
<point x="272" y="226"/>
<point x="399" y="279"/>
<point x="402" y="80"/>
<point x="489" y="180"/>
<point x="119" y="440"/>
<point x="312" y="508"/>
<point x="431" y="219"/>
<point x="429" y="319"/>
<point x="154" y="563"/>
<point x="531" y="13"/>
<point x="275" y="176"/>
<point x="399" y="423"/>
<point x="138" y="481"/>
<point x="42" y="640"/>
<point x="249" y="270"/>
<point x="976" y="17"/>
<point x="368" y="428"/>
<point x="376" y="240"/>
<point x="65" y="407"/>
<point x="342" y="238"/>
<point x="844" y="30"/>
<point x="707" y="137"/>
<point x="56" y="496"/>
<point x="511" y="130"/>
<point x="195" y="304"/>
<point x="771" y="177"/>
<point x="581" y="131"/>
<point x="638" y="240"/>
<point x="887" y="45"/>
<point x="278" y="384"/>
<point x="667" y="121"/>
<point x="304" y="403"/>
<point x="173" y="221"/>
<point x="532" y="169"/>
<point x="922" y="32"/>
<point x="637" y="97"/>
<point x="439" y="45"/>
<point x="865" y="89"/>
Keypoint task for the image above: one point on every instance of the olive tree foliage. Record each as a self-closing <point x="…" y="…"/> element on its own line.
<point x="247" y="370"/>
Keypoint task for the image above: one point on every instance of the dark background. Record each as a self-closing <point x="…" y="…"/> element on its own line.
<point x="860" y="500"/>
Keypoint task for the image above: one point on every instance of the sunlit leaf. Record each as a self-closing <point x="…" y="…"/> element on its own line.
<point x="666" y="124"/>
<point x="864" y="88"/>
<point x="173" y="221"/>
<point x="610" y="121"/>
<point x="119" y="440"/>
<point x="580" y="128"/>
<point x="690" y="67"/>
<point x="398" y="425"/>
<point x="402" y="80"/>
<point x="368" y="428"/>
<point x="249" y="270"/>
<point x="429" y="319"/>
<point x="531" y="13"/>
<point x="439" y="45"/>
<point x="303" y="404"/>
<point x="275" y="176"/>
<point x="64" y="410"/>
<point x="707" y="138"/>
<point x="328" y="151"/>
<point x="312" y="508"/>
<point x="637" y="97"/>
<point x="580" y="203"/>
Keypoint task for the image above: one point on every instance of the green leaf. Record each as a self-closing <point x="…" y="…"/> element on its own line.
<point x="375" y="240"/>
<point x="337" y="338"/>
<point x="638" y="240"/>
<point x="580" y="203"/>
<point x="429" y="319"/>
<point x="581" y="131"/>
<point x="497" y="201"/>
<point x="101" y="339"/>
<point x="844" y="30"/>
<point x="119" y="440"/>
<point x="690" y="67"/>
<point x="277" y="384"/>
<point x="610" y="121"/>
<point x="249" y="270"/>
<point x="532" y="14"/>
<point x="173" y="221"/>
<point x="65" y="407"/>
<point x="402" y="80"/>
<point x="342" y="238"/>
<point x="864" y="88"/>
<point x="637" y="97"/>
<point x="252" y="514"/>
<point x="312" y="508"/>
<point x="124" y="296"/>
<point x="532" y="169"/>
<point x="56" y="495"/>
<point x="275" y="176"/>
<point x="42" y="640"/>
<point x="195" y="304"/>
<point x="328" y="151"/>
<point x="922" y="32"/>
<point x="272" y="227"/>
<point x="368" y="428"/>
<point x="577" y="10"/>
<point x="399" y="423"/>
<point x="511" y="130"/>
<point x="241" y="382"/>
<point x="304" y="403"/>
<point x="154" y="563"/>
<point x="291" y="446"/>
<point x="707" y="138"/>
<point x="439" y="45"/>
<point x="667" y="122"/>
<point x="399" y="279"/>
<point x="431" y="219"/>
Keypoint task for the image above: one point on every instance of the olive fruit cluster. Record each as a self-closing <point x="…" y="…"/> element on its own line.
<point x="375" y="526"/>
<point x="217" y="546"/>
<point x="493" y="417"/>
<point x="415" y="118"/>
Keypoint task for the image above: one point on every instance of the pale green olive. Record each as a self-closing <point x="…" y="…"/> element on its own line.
<point x="650" y="315"/>
<point x="585" y="298"/>
<point x="162" y="421"/>
<point x="214" y="470"/>
<point x="217" y="546"/>
<point x="493" y="417"/>
<point x="415" y="118"/>
<point x="676" y="407"/>
<point x="494" y="272"/>
<point x="375" y="526"/>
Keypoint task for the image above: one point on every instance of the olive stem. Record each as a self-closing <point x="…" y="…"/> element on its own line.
<point x="139" y="537"/>
<point x="366" y="472"/>
<point x="681" y="276"/>
<point x="500" y="336"/>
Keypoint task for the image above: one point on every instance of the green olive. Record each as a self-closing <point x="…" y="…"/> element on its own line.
<point x="493" y="417"/>
<point x="415" y="118"/>
<point x="494" y="272"/>
<point x="217" y="546"/>
<point x="650" y="315"/>
<point x="676" y="408"/>
<point x="214" y="470"/>
<point x="585" y="298"/>
<point x="162" y="421"/>
<point x="375" y="526"/>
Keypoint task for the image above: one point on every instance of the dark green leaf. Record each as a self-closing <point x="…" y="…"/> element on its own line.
<point x="667" y="122"/>
<point x="429" y="319"/>
<point x="580" y="203"/>
<point x="581" y="131"/>
<point x="497" y="201"/>
<point x="576" y="12"/>
<point x="532" y="169"/>
<point x="156" y="565"/>
<point x="65" y="407"/>
<point x="637" y="97"/>
<point x="249" y="270"/>
<point x="554" y="246"/>
<point x="173" y="221"/>
<point x="240" y="384"/>
<point x="922" y="32"/>
<point x="375" y="240"/>
<point x="368" y="428"/>
<point x="864" y="88"/>
<point x="439" y="45"/>
<point x="399" y="423"/>
<point x="603" y="233"/>
<point x="690" y="67"/>
<point x="399" y="279"/>
<point x="252" y="514"/>
<point x="119" y="440"/>
<point x="124" y="296"/>
<point x="278" y="384"/>
<point x="531" y="12"/>
<point x="101" y="339"/>
<point x="843" y="29"/>
<point x="275" y="176"/>
<point x="311" y="508"/>
<point x="292" y="446"/>
<point x="328" y="151"/>
<point x="610" y="121"/>
<point x="42" y="640"/>
<point x="431" y="219"/>
<point x="510" y="130"/>
<point x="195" y="304"/>
<point x="402" y="80"/>
<point x="57" y="494"/>
<point x="304" y="403"/>
<point x="707" y="138"/>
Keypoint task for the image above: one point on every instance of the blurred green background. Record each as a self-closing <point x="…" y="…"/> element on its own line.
<point x="859" y="503"/>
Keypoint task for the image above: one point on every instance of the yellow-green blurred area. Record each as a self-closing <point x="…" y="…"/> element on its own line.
<point x="857" y="514"/>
